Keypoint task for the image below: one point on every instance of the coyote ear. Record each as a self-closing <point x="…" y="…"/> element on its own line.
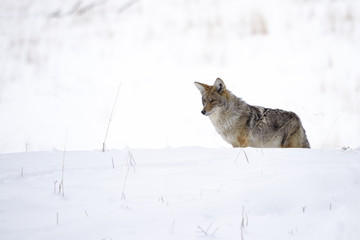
<point x="219" y="85"/>
<point x="202" y="87"/>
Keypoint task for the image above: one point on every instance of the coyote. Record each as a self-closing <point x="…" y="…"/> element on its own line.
<point x="244" y="125"/>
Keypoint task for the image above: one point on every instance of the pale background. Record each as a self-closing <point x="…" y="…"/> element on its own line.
<point x="62" y="62"/>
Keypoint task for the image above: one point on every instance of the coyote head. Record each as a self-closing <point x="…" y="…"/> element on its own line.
<point x="213" y="97"/>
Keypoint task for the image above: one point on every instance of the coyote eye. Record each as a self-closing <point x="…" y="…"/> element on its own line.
<point x="212" y="100"/>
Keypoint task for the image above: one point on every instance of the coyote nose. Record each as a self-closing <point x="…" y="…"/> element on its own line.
<point x="203" y="112"/>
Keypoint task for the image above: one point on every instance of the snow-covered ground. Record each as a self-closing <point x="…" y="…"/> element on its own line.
<point x="181" y="193"/>
<point x="63" y="60"/>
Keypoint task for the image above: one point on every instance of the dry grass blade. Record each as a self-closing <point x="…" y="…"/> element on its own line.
<point x="242" y="150"/>
<point x="279" y="131"/>
<point x="257" y="123"/>
<point x="130" y="163"/>
<point x="112" y="112"/>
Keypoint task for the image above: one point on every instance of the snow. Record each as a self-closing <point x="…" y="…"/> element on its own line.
<point x="181" y="193"/>
<point x="62" y="62"/>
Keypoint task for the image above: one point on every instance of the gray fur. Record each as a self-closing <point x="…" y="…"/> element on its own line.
<point x="244" y="125"/>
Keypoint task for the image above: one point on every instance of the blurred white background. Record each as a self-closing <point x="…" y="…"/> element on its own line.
<point x="62" y="62"/>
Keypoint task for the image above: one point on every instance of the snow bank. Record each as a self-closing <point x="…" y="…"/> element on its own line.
<point x="184" y="193"/>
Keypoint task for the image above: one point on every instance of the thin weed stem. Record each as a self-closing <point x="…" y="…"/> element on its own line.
<point x="257" y="123"/>
<point x="112" y="112"/>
